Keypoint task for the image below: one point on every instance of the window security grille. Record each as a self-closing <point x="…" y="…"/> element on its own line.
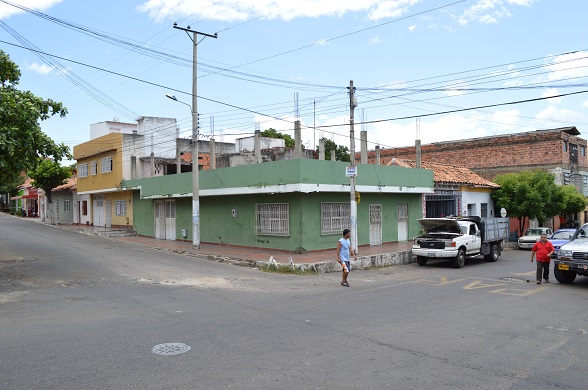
<point x="403" y="212"/>
<point x="272" y="219"/>
<point x="334" y="217"/>
<point x="83" y="170"/>
<point x="94" y="167"/>
<point x="484" y="210"/>
<point x="106" y="165"/>
<point x="121" y="207"/>
<point x="67" y="205"/>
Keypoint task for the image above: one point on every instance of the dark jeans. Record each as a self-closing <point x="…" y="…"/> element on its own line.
<point x="542" y="268"/>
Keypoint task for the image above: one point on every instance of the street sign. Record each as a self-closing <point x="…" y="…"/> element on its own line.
<point x="351" y="171"/>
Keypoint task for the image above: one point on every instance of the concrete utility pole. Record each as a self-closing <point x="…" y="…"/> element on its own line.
<point x="195" y="179"/>
<point x="353" y="201"/>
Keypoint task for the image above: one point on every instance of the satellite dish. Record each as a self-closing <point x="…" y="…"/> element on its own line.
<point x="503" y="212"/>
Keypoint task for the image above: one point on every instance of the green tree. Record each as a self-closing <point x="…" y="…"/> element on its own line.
<point x="21" y="140"/>
<point x="47" y="176"/>
<point x="341" y="152"/>
<point x="273" y="133"/>
<point x="9" y="187"/>
<point x="529" y="195"/>
<point x="574" y="201"/>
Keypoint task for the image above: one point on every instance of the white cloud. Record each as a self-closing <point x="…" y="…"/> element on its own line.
<point x="238" y="10"/>
<point x="375" y="40"/>
<point x="552" y="92"/>
<point x="569" y="66"/>
<point x="490" y="11"/>
<point x="412" y="28"/>
<point x="521" y="2"/>
<point x="553" y="114"/>
<point x="585" y="104"/>
<point x="40" y="5"/>
<point x="40" y="68"/>
<point x="390" y="9"/>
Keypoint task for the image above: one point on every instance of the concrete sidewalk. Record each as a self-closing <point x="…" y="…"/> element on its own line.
<point x="322" y="261"/>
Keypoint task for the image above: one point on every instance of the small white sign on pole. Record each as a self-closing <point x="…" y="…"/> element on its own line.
<point x="351" y="171"/>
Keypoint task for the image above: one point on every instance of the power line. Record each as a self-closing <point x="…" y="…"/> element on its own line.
<point x="465" y="109"/>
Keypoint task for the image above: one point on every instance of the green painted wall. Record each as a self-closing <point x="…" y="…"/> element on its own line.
<point x="284" y="172"/>
<point x="143" y="216"/>
<point x="218" y="225"/>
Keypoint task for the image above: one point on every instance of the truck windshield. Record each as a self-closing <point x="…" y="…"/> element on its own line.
<point x="463" y="228"/>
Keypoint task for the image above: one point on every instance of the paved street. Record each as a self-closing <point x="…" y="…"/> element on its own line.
<point x="84" y="312"/>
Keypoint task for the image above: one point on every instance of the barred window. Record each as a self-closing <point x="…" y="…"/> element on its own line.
<point x="83" y="170"/>
<point x="334" y="217"/>
<point x="272" y="219"/>
<point x="67" y="205"/>
<point x="121" y="207"/>
<point x="106" y="165"/>
<point x="94" y="166"/>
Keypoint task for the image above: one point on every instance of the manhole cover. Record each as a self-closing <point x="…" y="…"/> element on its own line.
<point x="516" y="280"/>
<point x="169" y="349"/>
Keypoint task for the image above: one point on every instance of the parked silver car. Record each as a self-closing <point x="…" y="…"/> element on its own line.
<point x="532" y="235"/>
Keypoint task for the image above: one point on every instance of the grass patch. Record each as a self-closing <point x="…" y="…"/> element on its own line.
<point x="287" y="269"/>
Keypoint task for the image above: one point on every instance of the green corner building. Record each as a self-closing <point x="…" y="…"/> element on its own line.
<point x="292" y="205"/>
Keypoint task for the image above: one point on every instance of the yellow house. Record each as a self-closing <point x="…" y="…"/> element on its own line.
<point x="101" y="168"/>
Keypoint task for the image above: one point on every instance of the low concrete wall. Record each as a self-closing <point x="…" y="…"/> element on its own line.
<point x="363" y="262"/>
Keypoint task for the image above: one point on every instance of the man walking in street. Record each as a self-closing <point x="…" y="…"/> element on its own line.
<point x="544" y="250"/>
<point x="343" y="251"/>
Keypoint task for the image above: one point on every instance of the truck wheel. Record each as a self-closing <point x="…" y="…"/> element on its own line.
<point x="459" y="260"/>
<point x="565" y="277"/>
<point x="494" y="253"/>
<point x="422" y="261"/>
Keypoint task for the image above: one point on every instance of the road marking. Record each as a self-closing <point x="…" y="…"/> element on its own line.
<point x="441" y="282"/>
<point x="518" y="291"/>
<point x="479" y="284"/>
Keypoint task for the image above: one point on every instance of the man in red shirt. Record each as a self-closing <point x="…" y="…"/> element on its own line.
<point x="543" y="249"/>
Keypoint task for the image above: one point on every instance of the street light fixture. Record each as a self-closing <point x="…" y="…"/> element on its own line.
<point x="195" y="178"/>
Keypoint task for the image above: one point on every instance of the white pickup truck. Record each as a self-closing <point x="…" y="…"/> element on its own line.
<point x="458" y="238"/>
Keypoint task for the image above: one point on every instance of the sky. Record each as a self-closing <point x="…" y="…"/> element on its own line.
<point x="439" y="70"/>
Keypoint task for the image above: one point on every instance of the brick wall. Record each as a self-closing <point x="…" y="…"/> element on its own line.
<point x="489" y="156"/>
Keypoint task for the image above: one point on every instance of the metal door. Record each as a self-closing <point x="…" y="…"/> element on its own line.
<point x="98" y="210"/>
<point x="170" y="220"/>
<point x="375" y="224"/>
<point x="402" y="222"/>
<point x="108" y="214"/>
<point x="160" y="219"/>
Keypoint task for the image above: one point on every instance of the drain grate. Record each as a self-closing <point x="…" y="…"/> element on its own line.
<point x="516" y="280"/>
<point x="169" y="349"/>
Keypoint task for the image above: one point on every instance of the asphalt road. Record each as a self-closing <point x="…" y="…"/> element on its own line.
<point x="84" y="312"/>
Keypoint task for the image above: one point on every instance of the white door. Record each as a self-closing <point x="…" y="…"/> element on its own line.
<point x="160" y="219"/>
<point x="98" y="210"/>
<point x="76" y="212"/>
<point x="402" y="222"/>
<point x="170" y="220"/>
<point x="108" y="214"/>
<point x="375" y="224"/>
